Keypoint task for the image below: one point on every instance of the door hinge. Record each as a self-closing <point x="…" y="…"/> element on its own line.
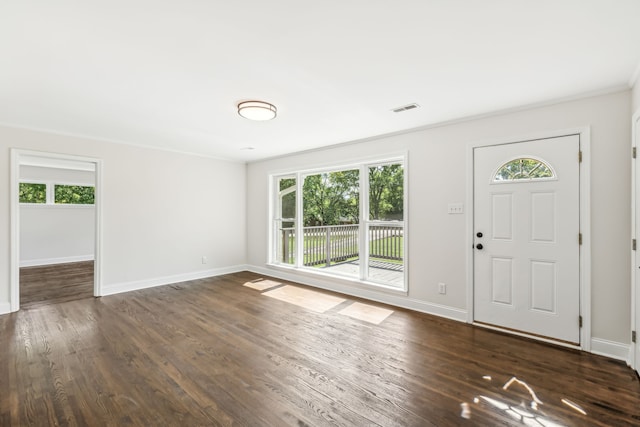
<point x="579" y="238"/>
<point x="633" y="154"/>
<point x="633" y="336"/>
<point x="579" y="156"/>
<point x="633" y="244"/>
<point x="580" y="321"/>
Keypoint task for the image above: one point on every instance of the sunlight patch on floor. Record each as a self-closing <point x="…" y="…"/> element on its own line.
<point x="261" y="285"/>
<point x="305" y="298"/>
<point x="367" y="313"/>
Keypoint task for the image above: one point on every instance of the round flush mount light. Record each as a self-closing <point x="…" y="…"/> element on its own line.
<point x="257" y="110"/>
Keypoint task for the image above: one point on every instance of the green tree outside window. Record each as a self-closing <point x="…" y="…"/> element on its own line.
<point x="32" y="193"/>
<point x="74" y="195"/>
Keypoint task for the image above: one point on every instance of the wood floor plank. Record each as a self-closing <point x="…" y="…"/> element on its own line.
<point x="215" y="352"/>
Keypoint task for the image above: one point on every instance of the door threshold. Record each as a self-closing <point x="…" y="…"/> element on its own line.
<point x="536" y="337"/>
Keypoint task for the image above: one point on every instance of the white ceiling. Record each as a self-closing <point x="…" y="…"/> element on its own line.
<point x="169" y="73"/>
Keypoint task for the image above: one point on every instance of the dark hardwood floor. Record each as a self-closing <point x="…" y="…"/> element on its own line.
<point x="52" y="284"/>
<point x="214" y="352"/>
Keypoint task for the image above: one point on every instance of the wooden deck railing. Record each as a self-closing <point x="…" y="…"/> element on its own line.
<point x="386" y="242"/>
<point x="327" y="245"/>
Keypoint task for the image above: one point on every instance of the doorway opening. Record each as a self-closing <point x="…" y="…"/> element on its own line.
<point x="55" y="223"/>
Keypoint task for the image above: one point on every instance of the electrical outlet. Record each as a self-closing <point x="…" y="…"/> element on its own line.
<point x="204" y="260"/>
<point x="455" y="208"/>
<point x="442" y="288"/>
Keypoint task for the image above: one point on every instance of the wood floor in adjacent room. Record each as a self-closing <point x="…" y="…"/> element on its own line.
<point x="214" y="352"/>
<point x="56" y="283"/>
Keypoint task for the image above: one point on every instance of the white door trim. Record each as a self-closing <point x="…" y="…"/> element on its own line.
<point x="585" y="222"/>
<point x="635" y="287"/>
<point x="14" y="269"/>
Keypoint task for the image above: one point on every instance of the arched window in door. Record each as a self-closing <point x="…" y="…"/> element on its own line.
<point x="524" y="168"/>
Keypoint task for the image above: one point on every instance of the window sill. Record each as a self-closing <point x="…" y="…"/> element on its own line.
<point x="340" y="279"/>
<point x="58" y="205"/>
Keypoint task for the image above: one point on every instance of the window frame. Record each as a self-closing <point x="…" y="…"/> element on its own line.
<point x="364" y="222"/>
<point x="275" y="217"/>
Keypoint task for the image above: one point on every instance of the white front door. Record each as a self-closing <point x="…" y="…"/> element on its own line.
<point x="526" y="237"/>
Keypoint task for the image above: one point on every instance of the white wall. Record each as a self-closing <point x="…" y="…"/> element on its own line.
<point x="437" y="241"/>
<point x="52" y="234"/>
<point x="635" y="96"/>
<point x="161" y="211"/>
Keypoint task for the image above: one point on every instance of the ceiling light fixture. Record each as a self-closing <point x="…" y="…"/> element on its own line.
<point x="257" y="110"/>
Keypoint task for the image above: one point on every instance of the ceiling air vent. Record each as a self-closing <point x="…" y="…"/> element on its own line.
<point x="405" y="108"/>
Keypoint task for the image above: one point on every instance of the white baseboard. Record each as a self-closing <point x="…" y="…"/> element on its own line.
<point x="612" y="349"/>
<point x="5" y="308"/>
<point x="370" y="294"/>
<point x="118" y="288"/>
<point x="50" y="261"/>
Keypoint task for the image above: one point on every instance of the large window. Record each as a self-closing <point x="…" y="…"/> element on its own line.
<point x="344" y="221"/>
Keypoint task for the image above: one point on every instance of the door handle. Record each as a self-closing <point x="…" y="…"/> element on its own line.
<point x="479" y="234"/>
<point x="479" y="246"/>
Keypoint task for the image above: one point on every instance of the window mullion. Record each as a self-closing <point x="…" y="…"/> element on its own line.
<point x="364" y="219"/>
<point x="299" y="230"/>
<point x="275" y="201"/>
<point x="50" y="193"/>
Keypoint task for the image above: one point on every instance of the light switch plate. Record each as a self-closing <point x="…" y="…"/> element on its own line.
<point x="455" y="208"/>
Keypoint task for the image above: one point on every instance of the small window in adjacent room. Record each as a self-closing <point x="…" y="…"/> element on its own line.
<point x="74" y="195"/>
<point x="32" y="193"/>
